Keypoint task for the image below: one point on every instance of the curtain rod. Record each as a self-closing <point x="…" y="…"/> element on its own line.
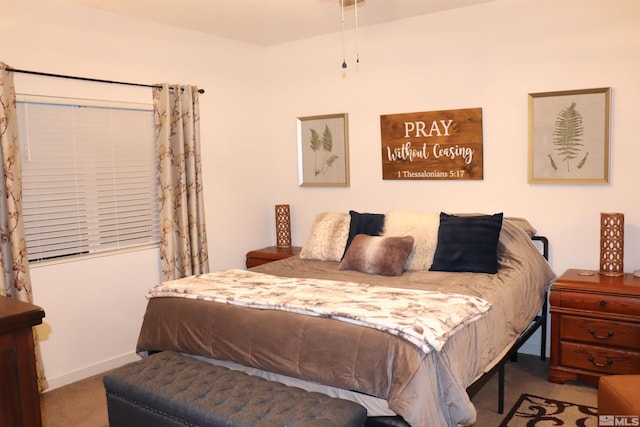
<point x="88" y="79"/>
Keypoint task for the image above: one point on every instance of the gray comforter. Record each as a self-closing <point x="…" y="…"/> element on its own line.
<point x="426" y="389"/>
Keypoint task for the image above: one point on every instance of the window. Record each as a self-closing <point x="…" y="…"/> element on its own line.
<point x="89" y="177"/>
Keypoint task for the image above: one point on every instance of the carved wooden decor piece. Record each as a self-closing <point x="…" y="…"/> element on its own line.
<point x="611" y="243"/>
<point x="283" y="226"/>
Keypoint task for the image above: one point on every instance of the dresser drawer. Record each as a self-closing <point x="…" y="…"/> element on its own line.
<point x="600" y="332"/>
<point x="599" y="359"/>
<point x="605" y="304"/>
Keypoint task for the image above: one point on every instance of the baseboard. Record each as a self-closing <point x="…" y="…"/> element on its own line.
<point x="531" y="348"/>
<point x="88" y="371"/>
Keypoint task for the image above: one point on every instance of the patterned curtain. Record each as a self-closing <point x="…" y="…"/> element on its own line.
<point x="183" y="237"/>
<point x="16" y="281"/>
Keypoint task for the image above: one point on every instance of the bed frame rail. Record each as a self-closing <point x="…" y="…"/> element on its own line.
<point x="538" y="322"/>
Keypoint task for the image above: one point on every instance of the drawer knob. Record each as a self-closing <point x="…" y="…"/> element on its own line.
<point x="600" y="365"/>
<point x="600" y="337"/>
<point x="603" y="304"/>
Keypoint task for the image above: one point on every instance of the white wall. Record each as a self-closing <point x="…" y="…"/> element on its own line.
<point x="489" y="56"/>
<point x="94" y="308"/>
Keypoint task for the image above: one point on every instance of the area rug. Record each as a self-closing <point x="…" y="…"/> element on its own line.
<point x="536" y="411"/>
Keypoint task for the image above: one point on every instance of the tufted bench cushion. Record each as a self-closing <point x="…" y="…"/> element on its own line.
<point x="169" y="389"/>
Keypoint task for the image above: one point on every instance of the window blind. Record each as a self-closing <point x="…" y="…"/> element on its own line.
<point x="89" y="178"/>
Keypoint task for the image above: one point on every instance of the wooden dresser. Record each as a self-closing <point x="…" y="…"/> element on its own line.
<point x="19" y="395"/>
<point x="269" y="254"/>
<point x="595" y="326"/>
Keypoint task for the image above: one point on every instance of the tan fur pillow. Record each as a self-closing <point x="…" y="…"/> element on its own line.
<point x="328" y="237"/>
<point x="377" y="255"/>
<point x="423" y="226"/>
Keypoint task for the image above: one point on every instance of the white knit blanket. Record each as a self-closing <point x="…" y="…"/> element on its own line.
<point x="424" y="318"/>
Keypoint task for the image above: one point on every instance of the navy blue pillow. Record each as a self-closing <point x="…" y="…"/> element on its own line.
<point x="468" y="243"/>
<point x="364" y="223"/>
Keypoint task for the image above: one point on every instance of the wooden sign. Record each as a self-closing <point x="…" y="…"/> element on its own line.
<point x="432" y="145"/>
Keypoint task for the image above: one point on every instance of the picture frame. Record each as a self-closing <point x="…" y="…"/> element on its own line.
<point x="323" y="151"/>
<point x="569" y="136"/>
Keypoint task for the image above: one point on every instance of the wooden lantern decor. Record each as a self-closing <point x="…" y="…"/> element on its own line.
<point x="611" y="244"/>
<point x="283" y="226"/>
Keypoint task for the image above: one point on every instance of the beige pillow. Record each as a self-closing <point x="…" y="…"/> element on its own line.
<point x="377" y="255"/>
<point x="328" y="237"/>
<point x="423" y="226"/>
<point x="522" y="223"/>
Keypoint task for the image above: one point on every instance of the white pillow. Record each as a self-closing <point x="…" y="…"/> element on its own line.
<point x="328" y="237"/>
<point x="423" y="227"/>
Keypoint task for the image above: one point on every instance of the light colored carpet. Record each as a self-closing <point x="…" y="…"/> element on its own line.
<point x="80" y="404"/>
<point x="527" y="375"/>
<point x="83" y="404"/>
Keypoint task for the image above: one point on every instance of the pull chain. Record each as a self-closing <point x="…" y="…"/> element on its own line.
<point x="357" y="46"/>
<point x="344" y="61"/>
<point x="350" y="3"/>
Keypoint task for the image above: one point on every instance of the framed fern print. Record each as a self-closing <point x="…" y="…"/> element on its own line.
<point x="569" y="136"/>
<point x="323" y="151"/>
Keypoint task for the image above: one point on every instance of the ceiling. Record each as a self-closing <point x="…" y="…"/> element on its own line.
<point x="271" y="22"/>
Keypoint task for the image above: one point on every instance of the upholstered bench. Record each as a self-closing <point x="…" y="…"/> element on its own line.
<point x="170" y="389"/>
<point x="619" y="395"/>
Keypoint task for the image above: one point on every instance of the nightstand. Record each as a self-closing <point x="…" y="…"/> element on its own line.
<point x="269" y="254"/>
<point x="18" y="377"/>
<point x="595" y="326"/>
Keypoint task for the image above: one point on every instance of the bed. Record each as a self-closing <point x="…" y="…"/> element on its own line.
<point x="472" y="285"/>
